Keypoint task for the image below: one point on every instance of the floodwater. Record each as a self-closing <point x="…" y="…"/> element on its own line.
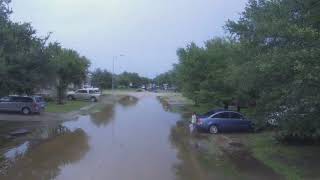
<point x="132" y="139"/>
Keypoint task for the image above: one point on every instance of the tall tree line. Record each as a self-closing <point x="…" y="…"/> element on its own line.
<point x="103" y="79"/>
<point x="28" y="62"/>
<point x="271" y="57"/>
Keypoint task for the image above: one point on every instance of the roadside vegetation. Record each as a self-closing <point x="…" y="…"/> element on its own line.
<point x="69" y="106"/>
<point x="292" y="161"/>
<point x="29" y="63"/>
<point x="126" y="80"/>
<point x="269" y="63"/>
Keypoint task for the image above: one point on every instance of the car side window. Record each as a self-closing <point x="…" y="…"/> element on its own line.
<point x="22" y="99"/>
<point x="223" y="115"/>
<point x="26" y="99"/>
<point x="15" y="99"/>
<point x="5" y="99"/>
<point x="235" y="116"/>
<point x="39" y="99"/>
<point x="82" y="91"/>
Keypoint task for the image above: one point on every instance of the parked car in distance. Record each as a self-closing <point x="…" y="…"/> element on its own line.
<point x="24" y="104"/>
<point x="223" y="121"/>
<point x="92" y="94"/>
<point x="140" y="90"/>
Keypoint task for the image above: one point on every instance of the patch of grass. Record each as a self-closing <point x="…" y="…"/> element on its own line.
<point x="283" y="159"/>
<point x="173" y="97"/>
<point x="67" y="107"/>
<point x="118" y="91"/>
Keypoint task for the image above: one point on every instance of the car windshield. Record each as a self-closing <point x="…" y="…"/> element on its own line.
<point x="210" y="113"/>
<point x="39" y="99"/>
<point x="5" y="99"/>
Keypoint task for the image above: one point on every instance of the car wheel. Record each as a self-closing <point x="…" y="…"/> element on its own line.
<point x="213" y="129"/>
<point x="251" y="128"/>
<point x="70" y="98"/>
<point x="93" y="99"/>
<point x="26" y="111"/>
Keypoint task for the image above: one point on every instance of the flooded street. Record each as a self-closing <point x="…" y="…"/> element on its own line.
<point x="133" y="139"/>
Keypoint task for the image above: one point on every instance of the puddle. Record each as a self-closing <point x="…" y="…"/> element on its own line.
<point x="104" y="116"/>
<point x="128" y="101"/>
<point x="20" y="150"/>
<point x="133" y="139"/>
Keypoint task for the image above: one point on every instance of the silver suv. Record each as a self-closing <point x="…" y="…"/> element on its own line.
<point x="92" y="94"/>
<point x="24" y="104"/>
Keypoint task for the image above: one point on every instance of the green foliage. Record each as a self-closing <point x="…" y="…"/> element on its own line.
<point x="4" y="9"/>
<point x="169" y="78"/>
<point x="205" y="72"/>
<point x="27" y="64"/>
<point x="102" y="79"/>
<point x="282" y="38"/>
<point x="271" y="59"/>
<point x="69" y="68"/>
<point x="126" y="79"/>
<point x="23" y="61"/>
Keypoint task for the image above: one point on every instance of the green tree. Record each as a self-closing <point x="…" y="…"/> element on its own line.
<point x="271" y="58"/>
<point x="167" y="78"/>
<point x="101" y="78"/>
<point x="69" y="66"/>
<point x="192" y="70"/>
<point x="24" y="65"/>
<point x="126" y="79"/>
<point x="282" y="37"/>
<point x="4" y="9"/>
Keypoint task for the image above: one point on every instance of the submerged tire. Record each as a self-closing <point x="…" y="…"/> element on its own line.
<point x="26" y="111"/>
<point x="213" y="129"/>
<point x="93" y="99"/>
<point x="70" y="98"/>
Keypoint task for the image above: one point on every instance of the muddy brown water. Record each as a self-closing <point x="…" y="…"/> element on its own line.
<point x="133" y="139"/>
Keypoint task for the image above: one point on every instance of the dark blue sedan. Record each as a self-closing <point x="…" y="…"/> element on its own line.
<point x="223" y="121"/>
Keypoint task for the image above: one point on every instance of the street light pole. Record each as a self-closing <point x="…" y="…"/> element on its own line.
<point x="113" y="59"/>
<point x="113" y="80"/>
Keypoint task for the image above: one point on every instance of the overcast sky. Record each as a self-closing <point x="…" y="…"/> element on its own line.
<point x="147" y="32"/>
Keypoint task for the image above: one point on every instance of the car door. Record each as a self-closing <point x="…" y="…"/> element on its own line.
<point x="5" y="103"/>
<point x="86" y="95"/>
<point x="223" y="121"/>
<point x="19" y="102"/>
<point x="80" y="94"/>
<point x="239" y="122"/>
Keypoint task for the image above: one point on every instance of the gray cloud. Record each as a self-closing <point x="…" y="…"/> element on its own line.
<point x="148" y="32"/>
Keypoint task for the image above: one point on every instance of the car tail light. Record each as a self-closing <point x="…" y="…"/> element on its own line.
<point x="35" y="105"/>
<point x="199" y="121"/>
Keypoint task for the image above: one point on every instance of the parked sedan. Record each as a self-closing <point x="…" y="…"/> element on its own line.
<point x="23" y="104"/>
<point x="223" y="121"/>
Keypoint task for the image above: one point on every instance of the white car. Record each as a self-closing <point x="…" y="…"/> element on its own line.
<point x="92" y="94"/>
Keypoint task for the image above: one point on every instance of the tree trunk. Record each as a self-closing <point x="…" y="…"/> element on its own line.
<point x="226" y="106"/>
<point x="60" y="93"/>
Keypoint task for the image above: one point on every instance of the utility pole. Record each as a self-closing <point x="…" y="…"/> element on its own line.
<point x="113" y="59"/>
<point x="113" y="73"/>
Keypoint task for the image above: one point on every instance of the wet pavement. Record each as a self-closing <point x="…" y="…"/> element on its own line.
<point x="135" y="138"/>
